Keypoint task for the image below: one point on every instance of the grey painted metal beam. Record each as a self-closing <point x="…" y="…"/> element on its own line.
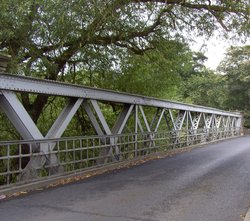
<point x="32" y="85"/>
<point x="92" y="118"/>
<point x="26" y="128"/>
<point x="60" y="125"/>
<point x="122" y="119"/>
<point x="101" y="117"/>
<point x="29" y="131"/>
<point x="159" y="120"/>
<point x="18" y="116"/>
<point x="64" y="118"/>
<point x="145" y="119"/>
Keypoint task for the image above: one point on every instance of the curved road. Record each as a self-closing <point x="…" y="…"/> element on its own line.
<point x="211" y="183"/>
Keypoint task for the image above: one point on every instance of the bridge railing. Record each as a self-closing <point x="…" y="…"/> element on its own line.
<point x="81" y="153"/>
<point x="139" y="126"/>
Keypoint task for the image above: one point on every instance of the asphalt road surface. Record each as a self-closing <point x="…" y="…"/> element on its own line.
<point x="211" y="183"/>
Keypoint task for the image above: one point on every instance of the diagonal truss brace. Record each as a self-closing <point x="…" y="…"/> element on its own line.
<point x="117" y="128"/>
<point x="214" y="119"/>
<point x="194" y="119"/>
<point x="19" y="117"/>
<point x="56" y="131"/>
<point x="23" y="123"/>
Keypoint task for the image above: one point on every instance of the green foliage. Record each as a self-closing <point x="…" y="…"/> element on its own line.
<point x="236" y="66"/>
<point x="207" y="89"/>
<point x="157" y="72"/>
<point x="247" y="119"/>
<point x="229" y="90"/>
<point x="131" y="46"/>
<point x="48" y="39"/>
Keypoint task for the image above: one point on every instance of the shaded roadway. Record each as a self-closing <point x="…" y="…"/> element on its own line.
<point x="211" y="183"/>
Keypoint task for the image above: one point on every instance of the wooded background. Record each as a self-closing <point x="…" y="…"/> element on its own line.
<point x="137" y="46"/>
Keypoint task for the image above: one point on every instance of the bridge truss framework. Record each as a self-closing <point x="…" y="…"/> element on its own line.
<point x="49" y="154"/>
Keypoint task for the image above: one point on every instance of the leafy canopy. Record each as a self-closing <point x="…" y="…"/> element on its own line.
<point x="50" y="38"/>
<point x="46" y="36"/>
<point x="236" y="66"/>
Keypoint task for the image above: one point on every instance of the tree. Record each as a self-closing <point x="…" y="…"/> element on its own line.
<point x="45" y="38"/>
<point x="207" y="89"/>
<point x="157" y="73"/>
<point x="236" y="66"/>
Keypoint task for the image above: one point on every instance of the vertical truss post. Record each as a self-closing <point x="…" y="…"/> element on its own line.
<point x="233" y="127"/>
<point x="213" y="128"/>
<point x="228" y="126"/>
<point x="173" y="134"/>
<point x="188" y="131"/>
<point x="208" y="118"/>
<point x="228" y="123"/>
<point x="218" y="121"/>
<point x="223" y="126"/>
<point x="149" y="136"/>
<point x="225" y="123"/>
<point x="156" y="120"/>
<point x="194" y="122"/>
<point x="178" y="123"/>
<point x="136" y="130"/>
<point x="228" y="120"/>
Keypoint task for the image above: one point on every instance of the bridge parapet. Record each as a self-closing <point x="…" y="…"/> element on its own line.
<point x="143" y="126"/>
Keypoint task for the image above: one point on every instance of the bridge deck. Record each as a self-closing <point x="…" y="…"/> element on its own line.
<point x="209" y="183"/>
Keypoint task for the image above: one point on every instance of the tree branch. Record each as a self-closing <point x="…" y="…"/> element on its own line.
<point x="209" y="7"/>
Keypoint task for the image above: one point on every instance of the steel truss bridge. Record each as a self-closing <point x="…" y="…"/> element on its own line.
<point x="143" y="126"/>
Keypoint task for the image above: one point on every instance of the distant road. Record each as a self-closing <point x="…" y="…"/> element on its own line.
<point x="211" y="183"/>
